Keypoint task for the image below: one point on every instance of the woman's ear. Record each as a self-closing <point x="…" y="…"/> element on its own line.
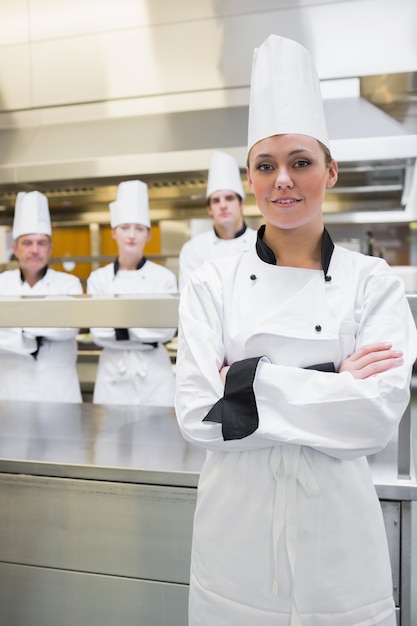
<point x="249" y="177"/>
<point x="332" y="174"/>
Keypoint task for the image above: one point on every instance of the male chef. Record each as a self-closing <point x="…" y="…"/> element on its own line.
<point x="37" y="364"/>
<point x="225" y="197"/>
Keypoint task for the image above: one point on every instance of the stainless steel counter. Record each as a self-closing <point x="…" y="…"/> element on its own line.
<point x="96" y="516"/>
<point x="130" y="444"/>
<point x="98" y="506"/>
<point x="92" y="442"/>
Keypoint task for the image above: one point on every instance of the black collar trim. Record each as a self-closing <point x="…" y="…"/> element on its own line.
<point x="267" y="256"/>
<point x="116" y="264"/>
<point x="238" y="234"/>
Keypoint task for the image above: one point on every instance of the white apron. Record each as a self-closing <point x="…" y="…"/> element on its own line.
<point x="52" y="375"/>
<point x="133" y="371"/>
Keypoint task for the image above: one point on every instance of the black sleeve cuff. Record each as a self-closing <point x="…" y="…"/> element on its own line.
<point x="237" y="410"/>
<point x="322" y="367"/>
<point x="122" y="334"/>
<point x="39" y="342"/>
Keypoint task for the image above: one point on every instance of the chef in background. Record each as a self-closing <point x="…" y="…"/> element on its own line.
<point x="37" y="364"/>
<point x="134" y="366"/>
<point x="225" y="197"/>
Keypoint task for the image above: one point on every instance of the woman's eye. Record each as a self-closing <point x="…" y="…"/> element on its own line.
<point x="301" y="163"/>
<point x="264" y="167"/>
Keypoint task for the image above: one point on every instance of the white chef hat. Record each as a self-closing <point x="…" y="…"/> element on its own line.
<point x="224" y="175"/>
<point x="131" y="205"/>
<point x="285" y="94"/>
<point x="31" y="215"/>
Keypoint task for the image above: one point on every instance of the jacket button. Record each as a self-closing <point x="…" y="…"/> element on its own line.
<point x="317" y="328"/>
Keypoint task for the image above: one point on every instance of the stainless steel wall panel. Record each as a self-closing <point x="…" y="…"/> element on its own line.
<point x="14" y="61"/>
<point x="51" y="19"/>
<point x="31" y="596"/>
<point x="99" y="66"/>
<point x="14" y="23"/>
<point x="94" y="59"/>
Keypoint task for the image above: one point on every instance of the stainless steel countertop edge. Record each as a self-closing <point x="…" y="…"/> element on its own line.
<point x="110" y="474"/>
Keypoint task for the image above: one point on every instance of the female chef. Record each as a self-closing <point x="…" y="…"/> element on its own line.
<point x="134" y="366"/>
<point x="294" y="363"/>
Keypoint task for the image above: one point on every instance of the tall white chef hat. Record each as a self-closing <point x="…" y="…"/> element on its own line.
<point x="131" y="205"/>
<point x="285" y="92"/>
<point x="224" y="175"/>
<point x="31" y="215"/>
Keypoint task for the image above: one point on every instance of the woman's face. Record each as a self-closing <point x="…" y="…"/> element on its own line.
<point x="289" y="176"/>
<point x="131" y="238"/>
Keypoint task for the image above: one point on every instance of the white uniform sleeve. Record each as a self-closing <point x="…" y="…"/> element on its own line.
<point x="15" y="340"/>
<point x="333" y="413"/>
<point x="159" y="335"/>
<point x="23" y="340"/>
<point x="104" y="337"/>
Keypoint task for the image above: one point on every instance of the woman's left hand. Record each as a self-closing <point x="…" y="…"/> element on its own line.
<point x="372" y="359"/>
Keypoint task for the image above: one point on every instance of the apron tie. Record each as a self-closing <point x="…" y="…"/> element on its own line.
<point x="291" y="470"/>
<point x="133" y="364"/>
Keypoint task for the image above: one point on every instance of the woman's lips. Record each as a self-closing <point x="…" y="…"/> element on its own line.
<point x="285" y="201"/>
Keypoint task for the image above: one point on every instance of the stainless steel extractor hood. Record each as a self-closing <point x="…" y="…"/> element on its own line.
<point x="376" y="153"/>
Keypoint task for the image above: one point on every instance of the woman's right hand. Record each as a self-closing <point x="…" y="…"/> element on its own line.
<point x="371" y="360"/>
<point x="223" y="373"/>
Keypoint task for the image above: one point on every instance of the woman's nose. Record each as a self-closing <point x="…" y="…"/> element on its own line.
<point x="283" y="179"/>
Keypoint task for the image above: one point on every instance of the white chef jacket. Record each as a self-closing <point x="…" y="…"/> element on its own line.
<point x="288" y="528"/>
<point x="131" y="369"/>
<point x="208" y="245"/>
<point x="48" y="374"/>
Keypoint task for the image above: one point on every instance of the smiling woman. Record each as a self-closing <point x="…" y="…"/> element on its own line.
<point x="290" y="374"/>
<point x="289" y="177"/>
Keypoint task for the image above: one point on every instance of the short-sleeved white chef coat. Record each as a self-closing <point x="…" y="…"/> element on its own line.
<point x="288" y="528"/>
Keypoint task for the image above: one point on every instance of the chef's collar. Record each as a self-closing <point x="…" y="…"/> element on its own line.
<point x="238" y="234"/>
<point x="42" y="273"/>
<point x="116" y="264"/>
<point x="266" y="254"/>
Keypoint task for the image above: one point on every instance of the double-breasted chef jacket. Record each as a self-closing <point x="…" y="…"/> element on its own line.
<point x="288" y="528"/>
<point x="134" y="366"/>
<point x="209" y="245"/>
<point x="39" y="364"/>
